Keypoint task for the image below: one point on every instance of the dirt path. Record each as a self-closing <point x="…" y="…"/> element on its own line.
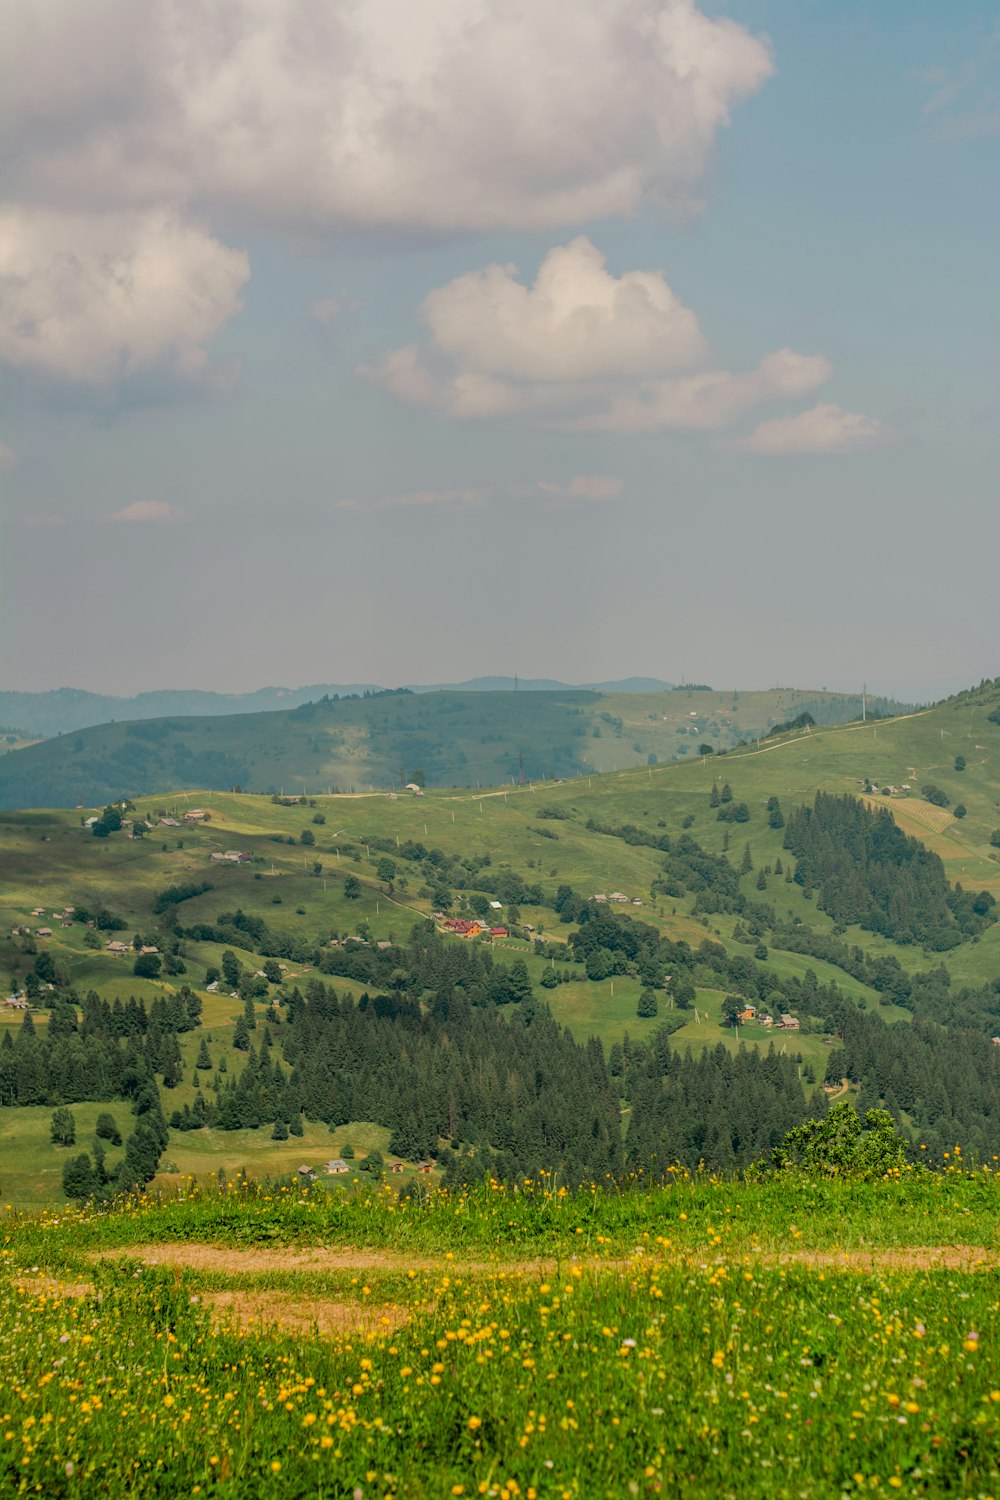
<point x="216" y="1258"/>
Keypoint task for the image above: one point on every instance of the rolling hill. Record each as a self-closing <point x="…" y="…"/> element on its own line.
<point x="351" y="744"/>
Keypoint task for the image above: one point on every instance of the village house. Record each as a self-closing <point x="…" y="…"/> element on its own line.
<point x="43" y="932"/>
<point x="498" y="932"/>
<point x="118" y="948"/>
<point x="789" y="1023"/>
<point x="196" y="815"/>
<point x="337" y="1167"/>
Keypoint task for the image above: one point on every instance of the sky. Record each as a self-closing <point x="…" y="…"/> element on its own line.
<point x="358" y="340"/>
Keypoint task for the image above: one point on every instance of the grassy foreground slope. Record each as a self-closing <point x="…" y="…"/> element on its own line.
<point x="456" y="738"/>
<point x="787" y="1339"/>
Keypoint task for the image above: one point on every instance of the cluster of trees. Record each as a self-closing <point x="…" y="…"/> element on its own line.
<point x="427" y="965"/>
<point x="510" y="1095"/>
<point x="88" y="1176"/>
<point x="719" y="1110"/>
<point x="867" y="871"/>
<point x="114" y="1052"/>
<point x="943" y="1083"/>
<point x="445" y="873"/>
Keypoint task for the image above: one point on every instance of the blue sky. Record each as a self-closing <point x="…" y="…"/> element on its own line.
<point x="241" y="448"/>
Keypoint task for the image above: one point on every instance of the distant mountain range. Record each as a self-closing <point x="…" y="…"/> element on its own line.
<point x="62" y="710"/>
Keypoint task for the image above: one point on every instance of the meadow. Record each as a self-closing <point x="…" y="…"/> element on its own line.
<point x="792" y="1338"/>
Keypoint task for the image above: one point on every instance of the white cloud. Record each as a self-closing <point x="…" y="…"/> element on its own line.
<point x="94" y="299"/>
<point x="595" y="487"/>
<point x="157" y="512"/>
<point x="8" y="458"/>
<point x="583" y="349"/>
<point x="825" y="428"/>
<point x="578" y="322"/>
<point x="443" y="115"/>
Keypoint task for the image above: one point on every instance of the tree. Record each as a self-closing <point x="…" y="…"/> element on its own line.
<point x="418" y="777"/>
<point x="746" y="863"/>
<point x="959" y="809"/>
<point x="319" y="818"/>
<point x="352" y="887"/>
<point x="732" y="1007"/>
<point x="935" y="795"/>
<point x="959" y="762"/>
<point x="713" y="797"/>
<point x="63" y="1128"/>
<point x="231" y="968"/>
<point x="775" y="817"/>
<point x="726" y="795"/>
<point x="204" y="1060"/>
<point x="307" y="836"/>
<point x="78" y="1178"/>
<point x="147" y="966"/>
<point x="272" y="970"/>
<point x="241" y="1035"/>
<point x="106" y="1129"/>
<point x="386" y="870"/>
<point x="648" y="1005"/>
<point x="706" y="749"/>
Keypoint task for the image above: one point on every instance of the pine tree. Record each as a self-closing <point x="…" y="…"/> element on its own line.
<point x="746" y="863"/>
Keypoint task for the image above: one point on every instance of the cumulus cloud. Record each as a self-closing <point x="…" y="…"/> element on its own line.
<point x="94" y="299"/>
<point x="825" y="428"/>
<point x="583" y="349"/>
<point x="443" y="115"/>
<point x="157" y="512"/>
<point x="597" y="487"/>
<point x="8" y="458"/>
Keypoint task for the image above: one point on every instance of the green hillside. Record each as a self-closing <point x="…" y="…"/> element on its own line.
<point x="458" y="739"/>
<point x="317" y="884"/>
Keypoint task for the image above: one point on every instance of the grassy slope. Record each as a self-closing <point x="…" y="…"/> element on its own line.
<point x="460" y="739"/>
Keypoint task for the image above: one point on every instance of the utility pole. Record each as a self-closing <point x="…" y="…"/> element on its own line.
<point x="864" y="703"/>
<point x="520" y="768"/>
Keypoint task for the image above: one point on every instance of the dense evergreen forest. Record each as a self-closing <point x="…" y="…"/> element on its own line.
<point x="867" y="871"/>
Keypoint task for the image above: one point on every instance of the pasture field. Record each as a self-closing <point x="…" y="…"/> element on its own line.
<point x="787" y="1338"/>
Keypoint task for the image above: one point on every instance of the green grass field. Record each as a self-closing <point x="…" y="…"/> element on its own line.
<point x="791" y="1338"/>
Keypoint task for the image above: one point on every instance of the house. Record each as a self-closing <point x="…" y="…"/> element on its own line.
<point x="118" y="948"/>
<point x="307" y="1172"/>
<point x="789" y="1023"/>
<point x="498" y="932"/>
<point x="425" y="1167"/>
<point x="396" y="1166"/>
<point x="38" y="911"/>
<point x="170" y="823"/>
<point x="412" y="786"/>
<point x="337" y="1167"/>
<point x="213" y="988"/>
<point x="618" y="896"/>
<point x="496" y="905"/>
<point x="43" y="932"/>
<point x="196" y="815"/>
<point x="600" y="898"/>
<point x="764" y="1019"/>
<point x="17" y="1002"/>
<point x="747" y="1014"/>
<point x="995" y="1039"/>
<point x="147" y="948"/>
<point x="383" y="944"/>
